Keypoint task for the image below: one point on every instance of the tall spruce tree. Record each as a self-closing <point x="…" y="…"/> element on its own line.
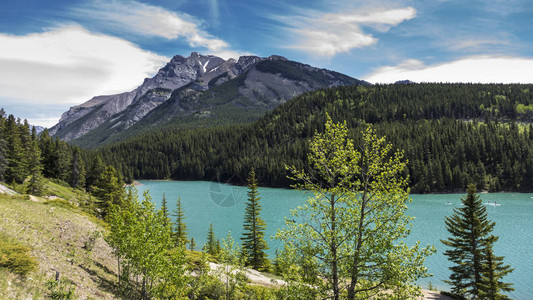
<point x="164" y="210"/>
<point x="253" y="239"/>
<point x="493" y="273"/>
<point x="210" y="246"/>
<point x="475" y="267"/>
<point x="180" y="228"/>
<point x="96" y="169"/>
<point x="77" y="169"/>
<point x="35" y="168"/>
<point x="192" y="244"/>
<point x="3" y="163"/>
<point x="16" y="169"/>
<point x="109" y="189"/>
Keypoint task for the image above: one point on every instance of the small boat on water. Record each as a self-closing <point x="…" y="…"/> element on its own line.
<point x="492" y="203"/>
<point x="448" y="203"/>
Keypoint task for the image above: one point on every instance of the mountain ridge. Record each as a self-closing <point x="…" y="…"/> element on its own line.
<point x="202" y="86"/>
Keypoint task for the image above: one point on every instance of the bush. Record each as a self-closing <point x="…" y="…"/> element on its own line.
<point x="60" y="203"/>
<point x="16" y="257"/>
<point x="60" y="290"/>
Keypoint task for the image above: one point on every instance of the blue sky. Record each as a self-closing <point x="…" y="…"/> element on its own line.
<point x="57" y="54"/>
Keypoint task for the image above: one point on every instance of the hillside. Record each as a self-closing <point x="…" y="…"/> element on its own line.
<point x="58" y="233"/>
<point x="196" y="91"/>
<point x="452" y="134"/>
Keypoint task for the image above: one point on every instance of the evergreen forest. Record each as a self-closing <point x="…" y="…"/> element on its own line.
<point x="452" y="135"/>
<point x="27" y="158"/>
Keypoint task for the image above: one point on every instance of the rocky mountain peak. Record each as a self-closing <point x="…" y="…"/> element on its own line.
<point x="265" y="83"/>
<point x="277" y="57"/>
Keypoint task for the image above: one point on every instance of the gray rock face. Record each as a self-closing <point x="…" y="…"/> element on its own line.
<point x="194" y="86"/>
<point x="81" y="119"/>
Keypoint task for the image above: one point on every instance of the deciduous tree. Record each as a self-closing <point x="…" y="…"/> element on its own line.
<point x="143" y="244"/>
<point x="352" y="226"/>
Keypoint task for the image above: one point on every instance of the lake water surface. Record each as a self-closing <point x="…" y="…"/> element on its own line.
<point x="223" y="205"/>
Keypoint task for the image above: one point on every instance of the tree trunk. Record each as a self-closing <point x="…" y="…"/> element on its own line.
<point x="355" y="273"/>
<point x="334" y="262"/>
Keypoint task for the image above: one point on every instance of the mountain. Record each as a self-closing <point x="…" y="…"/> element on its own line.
<point x="404" y="82"/>
<point x="195" y="91"/>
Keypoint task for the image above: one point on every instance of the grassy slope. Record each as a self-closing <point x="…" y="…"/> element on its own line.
<point x="56" y="232"/>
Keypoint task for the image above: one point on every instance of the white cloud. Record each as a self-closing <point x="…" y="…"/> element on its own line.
<point x="147" y="20"/>
<point x="479" y="44"/>
<point x="328" y="34"/>
<point x="475" y="69"/>
<point x="70" y="65"/>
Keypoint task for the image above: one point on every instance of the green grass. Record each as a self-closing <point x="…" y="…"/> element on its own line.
<point x="57" y="232"/>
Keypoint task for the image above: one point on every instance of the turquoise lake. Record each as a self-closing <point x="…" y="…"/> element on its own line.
<point x="223" y="205"/>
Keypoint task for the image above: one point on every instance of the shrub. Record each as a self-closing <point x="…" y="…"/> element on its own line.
<point x="16" y="257"/>
<point x="60" y="290"/>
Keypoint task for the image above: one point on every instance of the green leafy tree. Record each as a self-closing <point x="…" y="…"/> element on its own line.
<point x="145" y="250"/>
<point x="476" y="271"/>
<point x="180" y="228"/>
<point x="253" y="239"/>
<point x="232" y="267"/>
<point x="351" y="229"/>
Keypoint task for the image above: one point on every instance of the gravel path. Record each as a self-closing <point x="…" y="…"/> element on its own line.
<point x="259" y="278"/>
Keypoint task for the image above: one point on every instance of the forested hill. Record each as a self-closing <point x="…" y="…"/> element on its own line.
<point x="452" y="134"/>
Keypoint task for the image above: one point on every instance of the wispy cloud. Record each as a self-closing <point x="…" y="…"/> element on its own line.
<point x="70" y="65"/>
<point x="148" y="20"/>
<point x="476" y="69"/>
<point x="477" y="44"/>
<point x="328" y="34"/>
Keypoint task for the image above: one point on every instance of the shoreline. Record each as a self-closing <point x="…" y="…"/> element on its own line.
<point x="137" y="183"/>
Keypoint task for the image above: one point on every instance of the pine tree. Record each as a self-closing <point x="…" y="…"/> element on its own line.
<point x="47" y="152"/>
<point x="77" y="170"/>
<point x="164" y="210"/>
<point x="16" y="169"/>
<point x="63" y="159"/>
<point x="109" y="189"/>
<point x="35" y="167"/>
<point x="471" y="247"/>
<point x="210" y="246"/>
<point x="3" y="162"/>
<point x="253" y="241"/>
<point x="96" y="169"/>
<point x="192" y="244"/>
<point x="494" y="271"/>
<point x="180" y="228"/>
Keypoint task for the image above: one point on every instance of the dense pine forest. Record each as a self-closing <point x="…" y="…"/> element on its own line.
<point x="452" y="135"/>
<point x="26" y="158"/>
